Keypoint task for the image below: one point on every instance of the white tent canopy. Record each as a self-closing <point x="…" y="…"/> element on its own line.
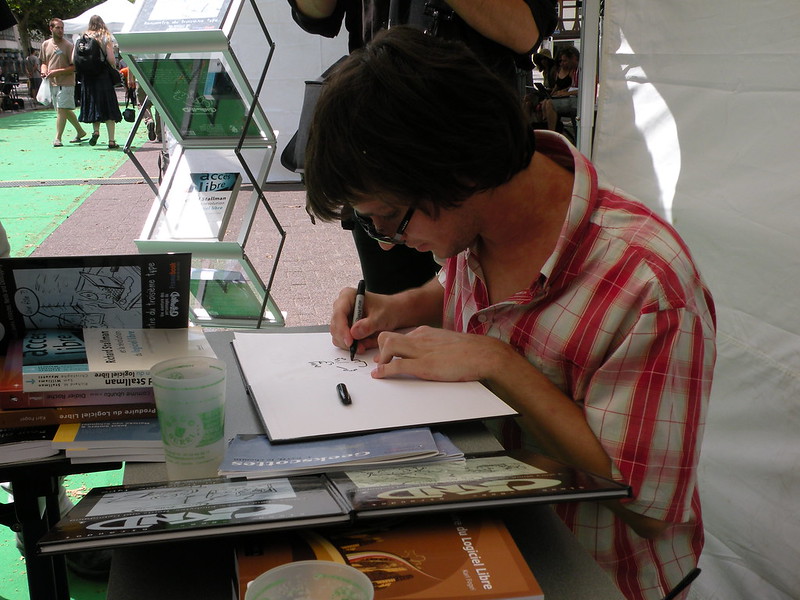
<point x="113" y="12"/>
<point x="696" y="117"/>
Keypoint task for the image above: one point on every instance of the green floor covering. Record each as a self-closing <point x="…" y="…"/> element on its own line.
<point x="28" y="212"/>
<point x="13" y="581"/>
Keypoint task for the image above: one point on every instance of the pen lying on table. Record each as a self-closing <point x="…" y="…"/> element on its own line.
<point x="344" y="395"/>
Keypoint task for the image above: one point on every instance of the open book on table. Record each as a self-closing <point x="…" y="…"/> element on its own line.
<point x="127" y="515"/>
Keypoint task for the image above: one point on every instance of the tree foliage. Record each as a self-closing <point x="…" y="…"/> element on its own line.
<point x="34" y="16"/>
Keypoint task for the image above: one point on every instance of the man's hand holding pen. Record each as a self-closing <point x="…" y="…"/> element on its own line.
<point x="427" y="352"/>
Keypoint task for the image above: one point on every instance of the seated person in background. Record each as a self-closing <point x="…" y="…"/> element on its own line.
<point x="573" y="302"/>
<point x="546" y="65"/>
<point x="564" y="96"/>
<point x="533" y="101"/>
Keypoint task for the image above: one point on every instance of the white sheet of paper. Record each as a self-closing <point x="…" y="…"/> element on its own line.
<point x="292" y="378"/>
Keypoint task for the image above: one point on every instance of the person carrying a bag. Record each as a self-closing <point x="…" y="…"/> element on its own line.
<point x="58" y="73"/>
<point x="99" y="102"/>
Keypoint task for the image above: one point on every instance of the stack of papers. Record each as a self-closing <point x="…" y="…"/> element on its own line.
<point x="130" y="441"/>
<point x="254" y="457"/>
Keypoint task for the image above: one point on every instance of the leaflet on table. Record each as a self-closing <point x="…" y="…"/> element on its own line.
<point x="253" y="456"/>
<point x="139" y="291"/>
<point x="94" y="358"/>
<point x="108" y="517"/>
<point x="306" y="368"/>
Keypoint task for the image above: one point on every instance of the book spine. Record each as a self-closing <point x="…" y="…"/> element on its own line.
<point x="41" y="382"/>
<point x="35" y="417"/>
<point x="58" y="398"/>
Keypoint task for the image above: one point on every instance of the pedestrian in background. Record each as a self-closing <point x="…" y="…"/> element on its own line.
<point x="59" y="71"/>
<point x="99" y="103"/>
<point x="33" y="67"/>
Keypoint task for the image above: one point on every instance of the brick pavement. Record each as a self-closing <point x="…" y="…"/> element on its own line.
<point x="317" y="260"/>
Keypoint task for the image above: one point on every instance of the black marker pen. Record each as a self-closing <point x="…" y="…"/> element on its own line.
<point x="344" y="395"/>
<point x="358" y="313"/>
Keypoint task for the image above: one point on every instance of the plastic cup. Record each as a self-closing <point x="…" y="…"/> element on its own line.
<point x="190" y="404"/>
<point x="311" y="580"/>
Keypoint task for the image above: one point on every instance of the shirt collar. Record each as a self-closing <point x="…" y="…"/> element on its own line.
<point x="582" y="203"/>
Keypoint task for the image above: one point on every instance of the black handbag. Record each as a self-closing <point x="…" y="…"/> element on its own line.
<point x="128" y="114"/>
<point x="115" y="75"/>
<point x="293" y="156"/>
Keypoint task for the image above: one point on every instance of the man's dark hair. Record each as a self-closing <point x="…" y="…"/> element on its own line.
<point x="415" y="120"/>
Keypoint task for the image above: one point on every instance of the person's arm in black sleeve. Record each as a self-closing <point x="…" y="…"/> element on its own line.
<point x="519" y="25"/>
<point x="321" y="17"/>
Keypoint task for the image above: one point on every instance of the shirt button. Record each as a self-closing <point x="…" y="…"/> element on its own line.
<point x="482" y="318"/>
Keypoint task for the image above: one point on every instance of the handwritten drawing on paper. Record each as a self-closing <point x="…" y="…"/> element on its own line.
<point x="293" y="377"/>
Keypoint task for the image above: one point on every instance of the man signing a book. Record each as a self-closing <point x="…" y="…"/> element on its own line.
<point x="570" y="300"/>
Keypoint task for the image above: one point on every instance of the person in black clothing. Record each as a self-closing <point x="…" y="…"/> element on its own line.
<point x="503" y="34"/>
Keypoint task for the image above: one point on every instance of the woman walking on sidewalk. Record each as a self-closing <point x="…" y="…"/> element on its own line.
<point x="98" y="97"/>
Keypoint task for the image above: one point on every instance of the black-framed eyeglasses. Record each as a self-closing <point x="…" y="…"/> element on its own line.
<point x="368" y="226"/>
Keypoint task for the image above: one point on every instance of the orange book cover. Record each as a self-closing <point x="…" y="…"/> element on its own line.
<point x="437" y="557"/>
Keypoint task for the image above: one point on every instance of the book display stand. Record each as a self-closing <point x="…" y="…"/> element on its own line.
<point x="203" y="71"/>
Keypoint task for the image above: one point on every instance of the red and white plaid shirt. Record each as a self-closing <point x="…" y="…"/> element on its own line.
<point x="620" y="320"/>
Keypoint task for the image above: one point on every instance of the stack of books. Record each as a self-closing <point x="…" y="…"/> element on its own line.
<point x="61" y="350"/>
<point x="110" y="441"/>
<point x="63" y="332"/>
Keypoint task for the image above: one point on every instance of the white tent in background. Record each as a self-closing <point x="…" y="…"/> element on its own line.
<point x="697" y="115"/>
<point x="113" y="12"/>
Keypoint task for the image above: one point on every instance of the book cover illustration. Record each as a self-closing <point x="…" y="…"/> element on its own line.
<point x="142" y="433"/>
<point x="73" y="292"/>
<point x="434" y="557"/>
<point x="94" y="358"/>
<point x="204" y="209"/>
<point x="107" y="517"/>
<point x="478" y="482"/>
<point x="254" y="456"/>
<point x="120" y="515"/>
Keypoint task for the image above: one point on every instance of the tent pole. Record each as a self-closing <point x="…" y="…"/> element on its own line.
<point x="590" y="46"/>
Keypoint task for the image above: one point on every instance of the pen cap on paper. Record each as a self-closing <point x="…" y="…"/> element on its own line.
<point x="311" y="580"/>
<point x="190" y="403"/>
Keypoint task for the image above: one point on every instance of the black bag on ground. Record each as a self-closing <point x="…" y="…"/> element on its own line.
<point x="89" y="56"/>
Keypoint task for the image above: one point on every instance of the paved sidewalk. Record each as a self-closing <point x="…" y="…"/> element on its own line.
<point x="317" y="260"/>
